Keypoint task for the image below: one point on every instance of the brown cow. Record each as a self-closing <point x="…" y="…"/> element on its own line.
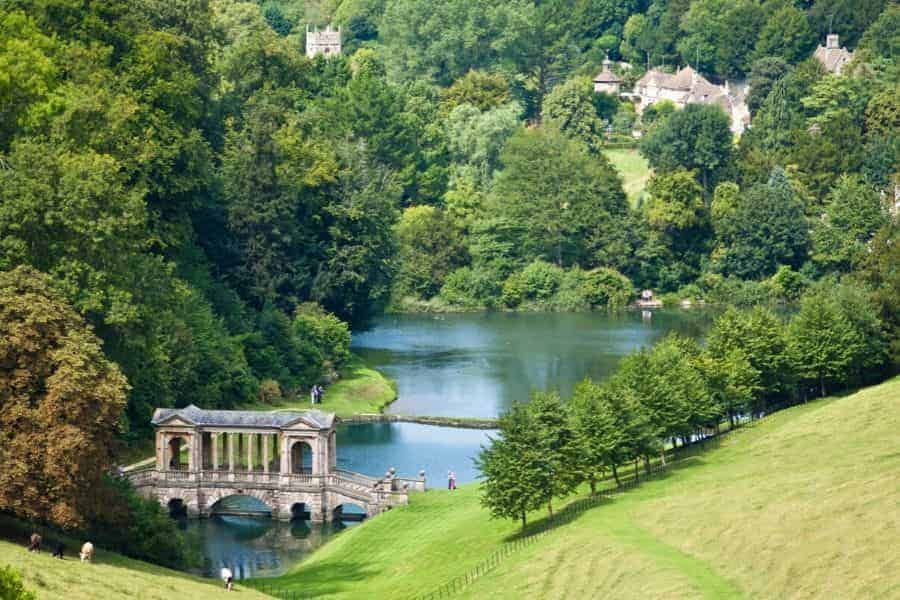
<point x="34" y="542"/>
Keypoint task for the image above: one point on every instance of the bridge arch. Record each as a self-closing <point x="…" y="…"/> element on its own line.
<point x="301" y="511"/>
<point x="242" y="501"/>
<point x="177" y="507"/>
<point x="350" y="510"/>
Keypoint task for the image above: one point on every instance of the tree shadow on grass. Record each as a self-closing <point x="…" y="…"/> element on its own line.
<point x="316" y="580"/>
<point x="605" y="496"/>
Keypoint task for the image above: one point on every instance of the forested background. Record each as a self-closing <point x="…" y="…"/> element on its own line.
<point x="190" y="182"/>
<point x="192" y="211"/>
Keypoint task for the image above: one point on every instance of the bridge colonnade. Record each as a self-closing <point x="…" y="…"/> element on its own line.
<point x="285" y="459"/>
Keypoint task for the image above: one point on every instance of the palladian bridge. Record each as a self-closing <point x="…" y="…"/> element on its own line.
<point x="284" y="459"/>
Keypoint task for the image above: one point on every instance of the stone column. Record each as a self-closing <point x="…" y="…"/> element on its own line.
<point x="250" y="440"/>
<point x="285" y="455"/>
<point x="162" y="451"/>
<point x="265" y="452"/>
<point x="230" y="437"/>
<point x="214" y="437"/>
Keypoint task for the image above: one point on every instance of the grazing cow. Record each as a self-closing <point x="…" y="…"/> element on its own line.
<point x="58" y="553"/>
<point x="87" y="552"/>
<point x="34" y="543"/>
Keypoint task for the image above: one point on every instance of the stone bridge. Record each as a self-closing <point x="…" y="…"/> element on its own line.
<point x="284" y="459"/>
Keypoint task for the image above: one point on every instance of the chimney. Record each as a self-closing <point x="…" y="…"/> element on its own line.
<point x="831" y="42"/>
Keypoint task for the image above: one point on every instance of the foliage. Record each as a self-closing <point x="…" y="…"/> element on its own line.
<point x="481" y="89"/>
<point x="695" y="138"/>
<point x="11" y="586"/>
<point x="570" y="108"/>
<point x="852" y="215"/>
<point x="429" y="249"/>
<point x="759" y="336"/>
<point x="567" y="207"/>
<point x="61" y="404"/>
<point x="827" y="341"/>
<point x="763" y="75"/>
<point x="323" y="331"/>
<point x="764" y="230"/>
<point x="786" y="34"/>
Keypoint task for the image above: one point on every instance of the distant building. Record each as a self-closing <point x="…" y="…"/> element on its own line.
<point x="832" y="56"/>
<point x="326" y="42"/>
<point x="606" y="81"/>
<point x="687" y="86"/>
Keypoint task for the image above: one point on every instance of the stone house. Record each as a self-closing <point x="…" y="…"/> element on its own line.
<point x="832" y="56"/>
<point x="606" y="81"/>
<point x="687" y="86"/>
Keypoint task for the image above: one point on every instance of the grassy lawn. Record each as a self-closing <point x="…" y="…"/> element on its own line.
<point x="634" y="170"/>
<point x="802" y="505"/>
<point x="109" y="576"/>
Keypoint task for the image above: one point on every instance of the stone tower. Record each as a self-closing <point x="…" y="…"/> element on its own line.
<point x="326" y="42"/>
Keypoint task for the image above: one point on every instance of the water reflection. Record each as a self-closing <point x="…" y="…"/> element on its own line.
<point x="255" y="546"/>
<point x="478" y="364"/>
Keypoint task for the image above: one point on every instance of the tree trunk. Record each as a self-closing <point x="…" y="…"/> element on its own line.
<point x="523" y="519"/>
<point x="593" y="481"/>
<point x="662" y="456"/>
<point x="550" y="506"/>
<point x="636" y="473"/>
<point x="647" y="464"/>
<point x="616" y="476"/>
<point x="822" y="384"/>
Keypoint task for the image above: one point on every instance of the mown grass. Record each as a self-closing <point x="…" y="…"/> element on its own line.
<point x="634" y="170"/>
<point x="109" y="576"/>
<point x="360" y="390"/>
<point x="802" y="505"/>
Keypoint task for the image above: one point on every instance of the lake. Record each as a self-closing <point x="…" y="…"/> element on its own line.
<point x="261" y="547"/>
<point x="472" y="365"/>
<point x="476" y="365"/>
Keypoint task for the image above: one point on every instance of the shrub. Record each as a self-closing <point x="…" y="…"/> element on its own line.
<point x="140" y="528"/>
<point x="607" y="287"/>
<point x="11" y="586"/>
<point x="269" y="392"/>
<point x="324" y="331"/>
<point x="469" y="287"/>
<point x="787" y="284"/>
<point x="513" y="290"/>
<point x="540" y="280"/>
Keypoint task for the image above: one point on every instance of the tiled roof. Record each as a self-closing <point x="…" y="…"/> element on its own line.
<point x="243" y="418"/>
<point x="833" y="58"/>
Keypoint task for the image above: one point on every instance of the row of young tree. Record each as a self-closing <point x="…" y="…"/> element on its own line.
<point x="678" y="391"/>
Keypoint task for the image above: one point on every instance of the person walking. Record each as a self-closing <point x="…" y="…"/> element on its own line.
<point x="451" y="480"/>
<point x="312" y="394"/>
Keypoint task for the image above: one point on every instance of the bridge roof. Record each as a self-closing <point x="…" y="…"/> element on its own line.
<point x="244" y="418"/>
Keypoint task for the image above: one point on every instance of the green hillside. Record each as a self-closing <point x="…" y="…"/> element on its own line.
<point x="804" y="504"/>
<point x="109" y="576"/>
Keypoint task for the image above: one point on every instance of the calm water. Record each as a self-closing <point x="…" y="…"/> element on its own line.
<point x="476" y="365"/>
<point x="447" y="365"/>
<point x="261" y="547"/>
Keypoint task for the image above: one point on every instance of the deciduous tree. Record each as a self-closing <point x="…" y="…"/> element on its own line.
<point x="60" y="404"/>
